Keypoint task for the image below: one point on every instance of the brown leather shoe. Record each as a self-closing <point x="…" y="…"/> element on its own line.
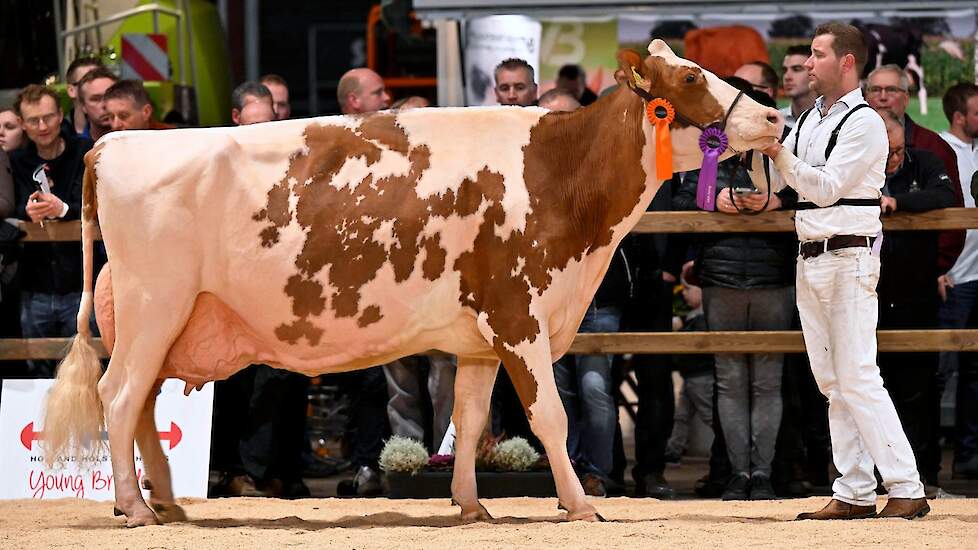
<point x="593" y="486"/>
<point x="906" y="508"/>
<point x="836" y="509"/>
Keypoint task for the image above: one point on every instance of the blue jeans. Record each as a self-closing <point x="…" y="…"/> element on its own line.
<point x="959" y="311"/>
<point x="47" y="316"/>
<point x="584" y="384"/>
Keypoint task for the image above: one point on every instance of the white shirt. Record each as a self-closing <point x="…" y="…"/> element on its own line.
<point x="966" y="267"/>
<point x="789" y="118"/>
<point x="856" y="169"/>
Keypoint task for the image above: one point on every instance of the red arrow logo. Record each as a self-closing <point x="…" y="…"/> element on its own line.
<point x="28" y="436"/>
<point x="173" y="436"/>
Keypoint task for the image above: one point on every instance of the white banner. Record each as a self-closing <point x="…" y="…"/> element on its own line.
<point x="184" y="425"/>
<point x="490" y="40"/>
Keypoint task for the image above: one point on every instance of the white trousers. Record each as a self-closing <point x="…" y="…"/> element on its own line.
<point x="838" y="306"/>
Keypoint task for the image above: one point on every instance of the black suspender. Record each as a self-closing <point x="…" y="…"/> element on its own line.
<point x="833" y="138"/>
<point x="835" y="132"/>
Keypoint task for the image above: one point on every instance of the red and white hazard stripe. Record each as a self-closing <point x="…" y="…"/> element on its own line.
<point x="144" y="57"/>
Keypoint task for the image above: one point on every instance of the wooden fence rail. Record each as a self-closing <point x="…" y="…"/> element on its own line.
<point x="646" y="342"/>
<point x="789" y="341"/>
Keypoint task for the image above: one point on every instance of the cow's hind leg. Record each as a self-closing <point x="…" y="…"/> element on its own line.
<point x="156" y="478"/>
<point x="146" y="327"/>
<point x="531" y="371"/>
<point x="473" y="389"/>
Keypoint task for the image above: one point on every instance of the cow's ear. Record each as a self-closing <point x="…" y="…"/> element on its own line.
<point x="632" y="71"/>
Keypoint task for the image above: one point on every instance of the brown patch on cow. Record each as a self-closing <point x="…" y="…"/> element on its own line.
<point x="307" y="296"/>
<point x="340" y="222"/>
<point x="576" y="200"/>
<point x="383" y="129"/>
<point x="370" y="316"/>
<point x="434" y="260"/>
<point x="297" y="330"/>
<point x="90" y="184"/>
<point x="693" y="99"/>
<point x="523" y="381"/>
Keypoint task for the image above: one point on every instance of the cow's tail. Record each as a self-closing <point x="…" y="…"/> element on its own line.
<point x="73" y="413"/>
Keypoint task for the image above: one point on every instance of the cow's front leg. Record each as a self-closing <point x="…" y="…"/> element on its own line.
<point x="474" y="380"/>
<point x="157" y="475"/>
<point x="532" y="374"/>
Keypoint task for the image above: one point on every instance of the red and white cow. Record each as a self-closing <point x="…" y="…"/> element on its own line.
<point x="338" y="243"/>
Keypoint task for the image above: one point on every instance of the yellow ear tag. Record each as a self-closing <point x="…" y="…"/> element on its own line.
<point x="661" y="113"/>
<point x="640" y="81"/>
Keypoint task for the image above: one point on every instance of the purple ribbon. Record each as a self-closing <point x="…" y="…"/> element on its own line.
<point x="713" y="142"/>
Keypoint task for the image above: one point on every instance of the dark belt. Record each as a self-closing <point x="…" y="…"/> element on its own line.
<point x="810" y="249"/>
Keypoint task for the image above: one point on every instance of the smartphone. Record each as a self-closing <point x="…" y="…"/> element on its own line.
<point x="745" y="191"/>
<point x="41" y="179"/>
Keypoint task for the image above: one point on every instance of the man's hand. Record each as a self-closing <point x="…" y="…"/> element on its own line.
<point x="755" y="202"/>
<point x="724" y="204"/>
<point x="772" y="150"/>
<point x="888" y="204"/>
<point x="41" y="206"/>
<point x="944" y="282"/>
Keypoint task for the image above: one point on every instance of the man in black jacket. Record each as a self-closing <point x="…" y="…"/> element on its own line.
<point x="916" y="181"/>
<point x="51" y="272"/>
<point x="746" y="280"/>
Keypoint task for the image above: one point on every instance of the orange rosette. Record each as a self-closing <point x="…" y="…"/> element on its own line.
<point x="661" y="113"/>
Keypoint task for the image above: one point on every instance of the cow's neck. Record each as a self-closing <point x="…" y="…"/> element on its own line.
<point x="591" y="161"/>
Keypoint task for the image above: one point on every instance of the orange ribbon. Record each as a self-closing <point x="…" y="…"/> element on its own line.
<point x="661" y="113"/>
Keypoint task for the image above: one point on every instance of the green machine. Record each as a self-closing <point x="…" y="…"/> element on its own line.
<point x="176" y="47"/>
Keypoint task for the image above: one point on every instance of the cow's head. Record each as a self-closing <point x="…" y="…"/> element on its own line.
<point x="699" y="97"/>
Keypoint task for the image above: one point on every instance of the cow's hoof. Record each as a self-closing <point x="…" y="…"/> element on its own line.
<point x="169" y="513"/>
<point x="587" y="514"/>
<point x="142" y="518"/>
<point x="117" y="512"/>
<point x="474" y="513"/>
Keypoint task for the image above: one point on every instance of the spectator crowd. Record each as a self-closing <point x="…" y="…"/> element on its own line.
<point x="763" y="411"/>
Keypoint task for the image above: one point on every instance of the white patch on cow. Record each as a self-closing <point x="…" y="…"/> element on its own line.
<point x="520" y="264"/>
<point x="384" y="235"/>
<point x="497" y="133"/>
<point x="365" y="219"/>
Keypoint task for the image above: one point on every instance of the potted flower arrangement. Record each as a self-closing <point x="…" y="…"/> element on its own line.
<point x="504" y="468"/>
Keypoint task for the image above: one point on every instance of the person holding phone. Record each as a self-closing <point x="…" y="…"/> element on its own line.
<point x="746" y="280"/>
<point x="51" y="272"/>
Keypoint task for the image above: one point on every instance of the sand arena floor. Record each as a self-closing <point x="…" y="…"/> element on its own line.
<point x="521" y="523"/>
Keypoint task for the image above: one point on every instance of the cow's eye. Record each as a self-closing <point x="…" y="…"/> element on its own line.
<point x="690" y="78"/>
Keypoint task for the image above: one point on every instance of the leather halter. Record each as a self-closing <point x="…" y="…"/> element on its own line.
<point x="721" y="124"/>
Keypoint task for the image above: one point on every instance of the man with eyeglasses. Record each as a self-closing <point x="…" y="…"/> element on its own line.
<point x="916" y="181"/>
<point x="51" y="272"/>
<point x="888" y="87"/>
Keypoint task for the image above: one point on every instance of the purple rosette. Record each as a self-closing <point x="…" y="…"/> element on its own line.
<point x="713" y="142"/>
